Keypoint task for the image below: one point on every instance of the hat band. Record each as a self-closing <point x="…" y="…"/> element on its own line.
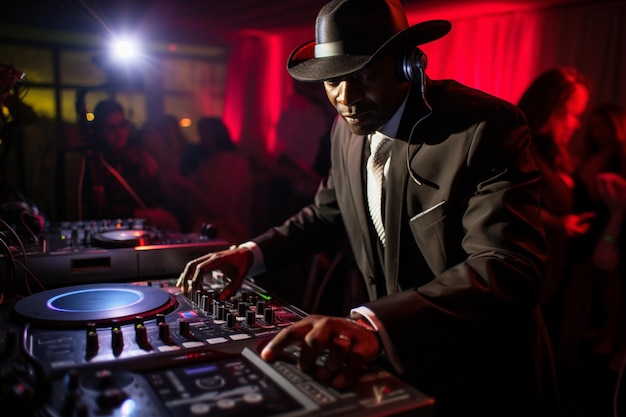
<point x="324" y="50"/>
<point x="337" y="48"/>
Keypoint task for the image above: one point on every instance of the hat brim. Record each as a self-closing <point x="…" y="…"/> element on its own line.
<point x="303" y="66"/>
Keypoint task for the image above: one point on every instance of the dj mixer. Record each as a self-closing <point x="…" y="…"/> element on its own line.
<point x="143" y="349"/>
<point x="110" y="335"/>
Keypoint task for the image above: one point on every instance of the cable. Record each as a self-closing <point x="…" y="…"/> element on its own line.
<point x="24" y="263"/>
<point x="122" y="181"/>
<point x="10" y="265"/>
<point x="27" y="227"/>
<point x="409" y="157"/>
<point x="17" y="238"/>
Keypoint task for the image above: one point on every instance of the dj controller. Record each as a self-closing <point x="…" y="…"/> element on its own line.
<point x="109" y="250"/>
<point x="126" y="342"/>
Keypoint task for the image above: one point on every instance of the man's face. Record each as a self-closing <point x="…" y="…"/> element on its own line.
<point x="367" y="99"/>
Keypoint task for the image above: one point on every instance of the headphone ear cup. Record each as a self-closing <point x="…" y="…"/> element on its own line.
<point x="412" y="64"/>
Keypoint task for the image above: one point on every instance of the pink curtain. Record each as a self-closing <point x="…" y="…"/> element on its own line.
<point x="499" y="53"/>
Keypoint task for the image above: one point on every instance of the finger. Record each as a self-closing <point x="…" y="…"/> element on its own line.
<point x="338" y="351"/>
<point x="188" y="273"/>
<point x="291" y="335"/>
<point x="349" y="373"/>
<point x="231" y="289"/>
<point x="205" y="265"/>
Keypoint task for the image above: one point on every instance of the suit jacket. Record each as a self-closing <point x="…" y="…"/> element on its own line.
<point x="465" y="250"/>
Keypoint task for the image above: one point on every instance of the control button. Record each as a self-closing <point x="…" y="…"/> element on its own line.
<point x="226" y="404"/>
<point x="253" y="398"/>
<point x="199" y="408"/>
<point x="211" y="383"/>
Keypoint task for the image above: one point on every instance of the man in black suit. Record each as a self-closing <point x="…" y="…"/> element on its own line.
<point x="454" y="274"/>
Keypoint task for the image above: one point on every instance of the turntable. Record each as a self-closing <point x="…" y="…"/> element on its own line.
<point x="123" y="238"/>
<point x="101" y="304"/>
<point x="113" y="251"/>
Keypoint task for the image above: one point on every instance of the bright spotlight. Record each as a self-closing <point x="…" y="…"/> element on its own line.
<point x="124" y="49"/>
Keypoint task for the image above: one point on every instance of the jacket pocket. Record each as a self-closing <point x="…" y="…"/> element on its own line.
<point x="427" y="230"/>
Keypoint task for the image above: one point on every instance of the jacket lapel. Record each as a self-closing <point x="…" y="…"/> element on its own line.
<point x="395" y="197"/>
<point x="355" y="162"/>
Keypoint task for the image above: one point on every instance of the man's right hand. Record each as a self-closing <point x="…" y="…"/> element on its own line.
<point x="233" y="263"/>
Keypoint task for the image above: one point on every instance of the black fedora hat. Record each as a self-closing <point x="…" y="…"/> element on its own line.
<point x="349" y="34"/>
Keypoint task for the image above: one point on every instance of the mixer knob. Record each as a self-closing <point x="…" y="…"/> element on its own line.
<point x="204" y="303"/>
<point x="164" y="333"/>
<point x="268" y="315"/>
<point x="221" y="312"/>
<point x="92" y="341"/>
<point x="87" y="237"/>
<point x="242" y="308"/>
<point x="260" y="307"/>
<point x="111" y="398"/>
<point x="141" y="336"/>
<point x="251" y="318"/>
<point x="72" y="380"/>
<point x="230" y="320"/>
<point x="207" y="231"/>
<point x="253" y="299"/>
<point x="184" y="329"/>
<point x="117" y="340"/>
<point x="160" y="318"/>
<point x="72" y="400"/>
<point x="104" y="379"/>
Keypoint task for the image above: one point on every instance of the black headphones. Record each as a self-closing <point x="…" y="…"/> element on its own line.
<point x="411" y="65"/>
